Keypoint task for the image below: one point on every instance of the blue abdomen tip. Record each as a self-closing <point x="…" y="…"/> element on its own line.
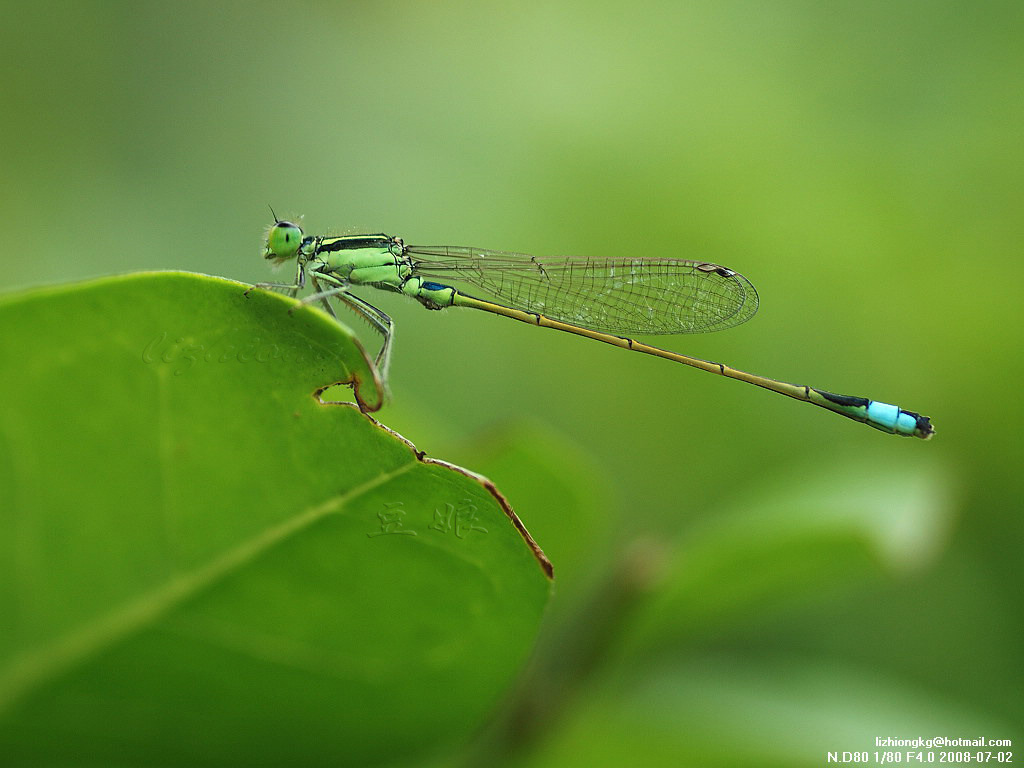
<point x="884" y="414"/>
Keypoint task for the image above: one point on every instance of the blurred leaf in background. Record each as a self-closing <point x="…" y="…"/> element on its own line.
<point x="859" y="162"/>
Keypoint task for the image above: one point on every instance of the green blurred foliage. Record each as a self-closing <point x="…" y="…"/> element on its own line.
<point x="859" y="162"/>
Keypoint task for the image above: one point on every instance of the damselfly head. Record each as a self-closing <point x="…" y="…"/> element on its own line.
<point x="283" y="241"/>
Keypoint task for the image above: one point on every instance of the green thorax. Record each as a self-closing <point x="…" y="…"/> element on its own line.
<point x="363" y="259"/>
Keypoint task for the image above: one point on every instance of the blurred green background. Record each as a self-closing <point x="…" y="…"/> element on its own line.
<point x="860" y="162"/>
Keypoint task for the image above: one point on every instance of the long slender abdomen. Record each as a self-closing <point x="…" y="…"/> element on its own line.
<point x="881" y="416"/>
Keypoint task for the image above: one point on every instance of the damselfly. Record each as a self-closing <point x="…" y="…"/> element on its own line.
<point x="606" y="300"/>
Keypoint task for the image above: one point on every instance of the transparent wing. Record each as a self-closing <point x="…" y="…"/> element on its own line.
<point x="620" y="296"/>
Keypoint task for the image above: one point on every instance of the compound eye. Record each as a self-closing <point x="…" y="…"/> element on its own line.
<point x="283" y="241"/>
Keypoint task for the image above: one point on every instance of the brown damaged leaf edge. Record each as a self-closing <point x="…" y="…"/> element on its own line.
<point x="491" y="488"/>
<point x="355" y="383"/>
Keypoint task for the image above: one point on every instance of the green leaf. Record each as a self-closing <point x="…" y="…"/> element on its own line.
<point x="813" y="536"/>
<point x="202" y="563"/>
<point x="558" y="486"/>
<point x="728" y="710"/>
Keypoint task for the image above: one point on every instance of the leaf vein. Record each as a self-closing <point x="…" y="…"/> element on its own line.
<point x="28" y="671"/>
